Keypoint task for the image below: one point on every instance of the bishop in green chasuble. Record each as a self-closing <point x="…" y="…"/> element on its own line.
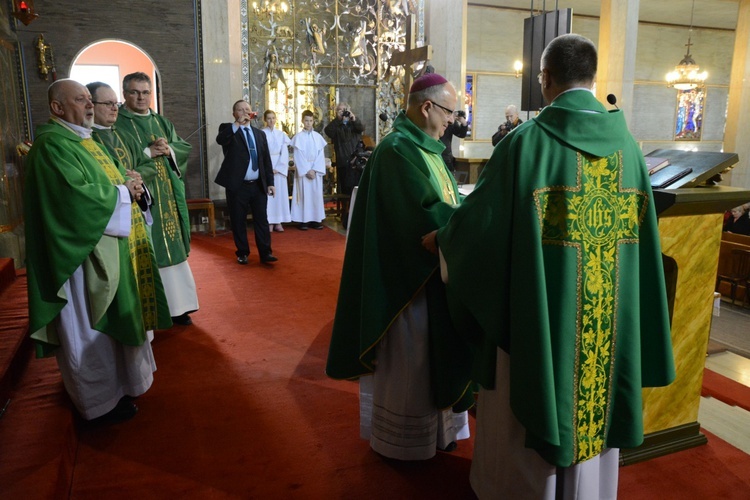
<point x="405" y="191"/>
<point x="561" y="268"/>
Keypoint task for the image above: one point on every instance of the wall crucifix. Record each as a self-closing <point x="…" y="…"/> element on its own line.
<point x="411" y="53"/>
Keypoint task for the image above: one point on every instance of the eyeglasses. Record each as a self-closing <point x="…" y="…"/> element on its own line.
<point x="139" y="93"/>
<point x="450" y="112"/>
<point x="109" y="104"/>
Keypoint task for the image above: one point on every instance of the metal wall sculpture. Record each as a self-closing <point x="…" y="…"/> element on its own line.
<point x="310" y="54"/>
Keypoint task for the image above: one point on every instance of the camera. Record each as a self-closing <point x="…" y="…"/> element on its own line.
<point x="346" y="113"/>
<point x="461" y="114"/>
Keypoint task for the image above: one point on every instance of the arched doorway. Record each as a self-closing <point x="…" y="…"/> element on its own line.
<point x="109" y="61"/>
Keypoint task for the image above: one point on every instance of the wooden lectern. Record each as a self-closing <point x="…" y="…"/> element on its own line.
<point x="472" y="166"/>
<point x="690" y="212"/>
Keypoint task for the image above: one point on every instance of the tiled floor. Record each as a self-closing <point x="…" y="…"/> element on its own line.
<point x="730" y="423"/>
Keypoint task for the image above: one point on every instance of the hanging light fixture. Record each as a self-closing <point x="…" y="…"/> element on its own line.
<point x="687" y="74"/>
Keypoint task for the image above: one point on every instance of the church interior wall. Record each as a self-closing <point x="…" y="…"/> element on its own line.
<point x="495" y="41"/>
<point x="222" y="80"/>
<point x="12" y="134"/>
<point x="166" y="33"/>
<point x="129" y="59"/>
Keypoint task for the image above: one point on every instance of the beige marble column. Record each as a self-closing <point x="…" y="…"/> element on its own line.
<point x="618" y="36"/>
<point x="222" y="78"/>
<point x="445" y="30"/>
<point x="738" y="106"/>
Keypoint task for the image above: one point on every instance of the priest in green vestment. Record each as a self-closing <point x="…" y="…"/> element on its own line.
<point x="554" y="260"/>
<point x="86" y="244"/>
<point x="133" y="162"/>
<point x="391" y="319"/>
<point x="157" y="138"/>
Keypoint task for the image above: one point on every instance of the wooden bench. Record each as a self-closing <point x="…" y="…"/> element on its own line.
<point x="14" y="328"/>
<point x="204" y="204"/>
<point x="729" y="242"/>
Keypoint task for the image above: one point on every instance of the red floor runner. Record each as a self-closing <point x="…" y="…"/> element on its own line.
<point x="241" y="407"/>
<point x="725" y="390"/>
<point x="716" y="470"/>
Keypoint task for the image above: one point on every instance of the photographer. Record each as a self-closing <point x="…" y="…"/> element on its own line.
<point x="345" y="132"/>
<point x="511" y="121"/>
<point x="459" y="128"/>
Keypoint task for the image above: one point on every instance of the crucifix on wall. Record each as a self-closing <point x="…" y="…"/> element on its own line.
<point x="411" y="54"/>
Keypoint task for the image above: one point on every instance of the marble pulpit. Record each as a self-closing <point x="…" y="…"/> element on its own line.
<point x="690" y="223"/>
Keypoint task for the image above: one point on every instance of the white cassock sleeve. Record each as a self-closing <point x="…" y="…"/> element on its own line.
<point x="119" y="223"/>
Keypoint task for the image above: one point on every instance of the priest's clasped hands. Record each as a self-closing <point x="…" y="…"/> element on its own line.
<point x="134" y="184"/>
<point x="160" y="147"/>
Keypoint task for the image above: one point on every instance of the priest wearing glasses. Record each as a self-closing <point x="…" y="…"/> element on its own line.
<point x="157" y="138"/>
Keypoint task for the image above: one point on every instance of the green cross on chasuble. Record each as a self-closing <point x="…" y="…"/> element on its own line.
<point x="593" y="218"/>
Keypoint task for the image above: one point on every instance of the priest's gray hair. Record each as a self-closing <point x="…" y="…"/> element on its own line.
<point x="138" y="76"/>
<point x="570" y="59"/>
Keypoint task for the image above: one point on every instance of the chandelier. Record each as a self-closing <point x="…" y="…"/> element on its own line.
<point x="687" y="74"/>
<point x="270" y="9"/>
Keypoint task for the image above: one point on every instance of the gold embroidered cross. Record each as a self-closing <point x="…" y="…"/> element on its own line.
<point x="594" y="217"/>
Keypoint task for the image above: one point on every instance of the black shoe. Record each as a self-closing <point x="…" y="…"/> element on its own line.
<point x="449" y="447"/>
<point x="303" y="226"/>
<point x="316" y="225"/>
<point x="184" y="319"/>
<point x="125" y="410"/>
<point x="242" y="259"/>
<point x="268" y="258"/>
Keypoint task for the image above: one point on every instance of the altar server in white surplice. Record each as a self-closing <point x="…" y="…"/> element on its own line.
<point x="307" y="194"/>
<point x="278" y="147"/>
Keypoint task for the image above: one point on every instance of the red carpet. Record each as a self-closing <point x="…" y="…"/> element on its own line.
<point x="241" y="408"/>
<point x="725" y="389"/>
<point x="716" y="470"/>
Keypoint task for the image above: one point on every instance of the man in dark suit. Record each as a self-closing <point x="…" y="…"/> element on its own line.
<point x="247" y="176"/>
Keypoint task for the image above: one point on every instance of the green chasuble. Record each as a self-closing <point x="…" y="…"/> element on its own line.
<point x="151" y="291"/>
<point x="171" y="229"/>
<point x="405" y="192"/>
<point x="124" y="148"/>
<point x="68" y="201"/>
<point x="555" y="258"/>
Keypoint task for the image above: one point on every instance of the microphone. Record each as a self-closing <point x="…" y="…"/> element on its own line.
<point x="383" y="117"/>
<point x="612" y="100"/>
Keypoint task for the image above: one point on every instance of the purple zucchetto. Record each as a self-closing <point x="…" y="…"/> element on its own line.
<point x="427" y="81"/>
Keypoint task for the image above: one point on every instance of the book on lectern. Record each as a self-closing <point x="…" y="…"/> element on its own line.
<point x="655" y="164"/>
<point x="668" y="176"/>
